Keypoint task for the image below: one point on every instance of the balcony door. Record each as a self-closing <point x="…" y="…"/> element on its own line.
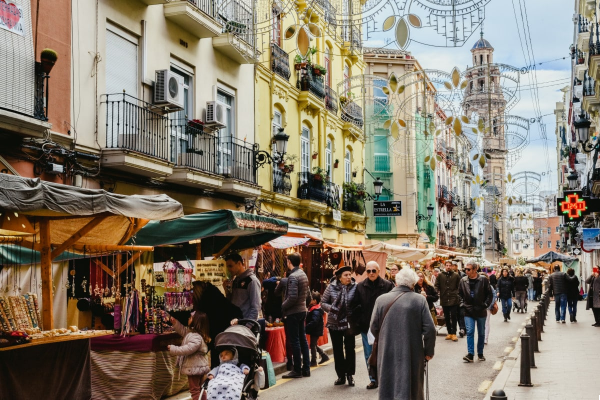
<point x="180" y="140"/>
<point x="226" y="135"/>
<point x="122" y="77"/>
<point x="305" y="154"/>
<point x="347" y="167"/>
<point x="328" y="160"/>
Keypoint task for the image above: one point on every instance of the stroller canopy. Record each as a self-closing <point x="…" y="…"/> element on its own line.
<point x="237" y="336"/>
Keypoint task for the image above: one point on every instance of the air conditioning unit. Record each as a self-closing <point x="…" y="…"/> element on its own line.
<point x="216" y="113"/>
<point x="168" y="89"/>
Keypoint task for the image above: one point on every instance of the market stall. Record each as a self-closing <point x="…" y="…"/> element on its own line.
<point x="45" y="220"/>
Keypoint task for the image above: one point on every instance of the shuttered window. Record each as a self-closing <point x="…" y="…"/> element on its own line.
<point x="121" y="64"/>
<point x="17" y="64"/>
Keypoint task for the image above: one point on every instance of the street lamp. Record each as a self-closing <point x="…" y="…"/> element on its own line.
<point x="572" y="179"/>
<point x="429" y="210"/>
<point x="582" y="127"/>
<point x="378" y="186"/>
<point x="261" y="157"/>
<point x="453" y="222"/>
<point x="421" y="217"/>
<point x="480" y="235"/>
<point x="469" y="229"/>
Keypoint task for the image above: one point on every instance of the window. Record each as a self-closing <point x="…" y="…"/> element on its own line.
<point x="227" y="134"/>
<point x="557" y="229"/>
<point x="328" y="66"/>
<point x="328" y="157"/>
<point x="549" y="244"/>
<point x="179" y="119"/>
<point x="517" y="247"/>
<point x="383" y="224"/>
<point x="276" y="32"/>
<point x="277" y="124"/>
<point x="346" y="81"/>
<point x="549" y="231"/>
<point x="347" y="167"/>
<point x="381" y="157"/>
<point x="305" y="154"/>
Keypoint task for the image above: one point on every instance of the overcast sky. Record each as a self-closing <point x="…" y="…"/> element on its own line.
<point x="551" y="28"/>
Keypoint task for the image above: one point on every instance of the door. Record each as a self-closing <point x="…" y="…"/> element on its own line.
<point x="226" y="136"/>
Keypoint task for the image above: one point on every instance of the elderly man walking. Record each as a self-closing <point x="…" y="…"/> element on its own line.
<point x="446" y="285"/>
<point x="476" y="296"/>
<point x="363" y="303"/>
<point x="405" y="334"/>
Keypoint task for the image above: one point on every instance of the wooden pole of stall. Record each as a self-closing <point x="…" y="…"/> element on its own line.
<point x="46" y="264"/>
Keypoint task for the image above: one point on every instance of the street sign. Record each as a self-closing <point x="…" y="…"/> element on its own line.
<point x="387" y="208"/>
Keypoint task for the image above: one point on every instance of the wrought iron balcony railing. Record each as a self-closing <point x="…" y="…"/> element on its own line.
<point x="331" y="99"/>
<point x="582" y="24"/>
<point x="473" y="241"/>
<point x="589" y="85"/>
<point x="312" y="83"/>
<point x="381" y="163"/>
<point x="282" y="182"/>
<point x="208" y="7"/>
<point x="132" y="125"/>
<point x="280" y="61"/>
<point x="237" y="159"/>
<point x="353" y="202"/>
<point x="237" y="18"/>
<point x="312" y="187"/>
<point x="30" y="97"/>
<point x="452" y="241"/>
<point x="442" y="239"/>
<point x="352" y="112"/>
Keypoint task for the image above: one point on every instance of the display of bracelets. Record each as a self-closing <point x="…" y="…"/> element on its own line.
<point x="178" y="301"/>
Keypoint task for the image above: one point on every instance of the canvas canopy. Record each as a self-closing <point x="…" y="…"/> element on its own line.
<point x="400" y="252"/>
<point x="224" y="227"/>
<point x="551" y="257"/>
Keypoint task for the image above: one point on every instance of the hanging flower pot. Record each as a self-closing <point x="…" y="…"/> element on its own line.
<point x="298" y="67"/>
<point x="315" y="155"/>
<point x="291" y="167"/>
<point x="354" y="174"/>
<point x="286" y="169"/>
<point x="48" y="59"/>
<point x="317" y="177"/>
<point x="336" y="164"/>
<point x="281" y="165"/>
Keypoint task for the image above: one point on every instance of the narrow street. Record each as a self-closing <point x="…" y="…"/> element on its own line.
<point x="449" y="377"/>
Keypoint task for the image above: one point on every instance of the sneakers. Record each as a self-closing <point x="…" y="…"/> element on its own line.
<point x="563" y="321"/>
<point x="454" y="338"/>
<point x="324" y="359"/>
<point x="372" y="385"/>
<point x="448" y="337"/>
<point x="480" y="357"/>
<point x="468" y="358"/>
<point x="292" y="375"/>
<point x="461" y="333"/>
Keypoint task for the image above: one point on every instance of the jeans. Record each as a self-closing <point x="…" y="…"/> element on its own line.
<point x="572" y="305"/>
<point x="297" y="338"/>
<point x="314" y="349"/>
<point x="506" y="306"/>
<point x="368" y="349"/>
<point x="530" y="294"/>
<point x="470" y="324"/>
<point x="344" y="353"/>
<point x="560" y="306"/>
<point x="451" y="315"/>
<point x="521" y="298"/>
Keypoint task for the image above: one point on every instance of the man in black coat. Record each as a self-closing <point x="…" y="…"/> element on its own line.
<point x="476" y="296"/>
<point x="558" y="289"/>
<point x="363" y="304"/>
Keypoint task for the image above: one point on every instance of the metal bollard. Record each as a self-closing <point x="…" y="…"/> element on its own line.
<point x="525" y="369"/>
<point x="532" y="344"/>
<point x="498" y="394"/>
<point x="538" y="333"/>
<point x="541" y="317"/>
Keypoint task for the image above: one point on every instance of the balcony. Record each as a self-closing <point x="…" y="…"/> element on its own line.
<point x="313" y="189"/>
<point x="198" y="17"/>
<point x="352" y="113"/>
<point x="331" y="100"/>
<point x="238" y="38"/>
<point x="443" y="194"/>
<point x="381" y="163"/>
<point x="282" y="182"/>
<point x="280" y="62"/>
<point x="237" y="163"/>
<point x="137" y="138"/>
<point x="452" y="241"/>
<point x="351" y="40"/>
<point x="354" y="199"/>
<point x="471" y="206"/>
<point x="312" y="83"/>
<point x="25" y="110"/>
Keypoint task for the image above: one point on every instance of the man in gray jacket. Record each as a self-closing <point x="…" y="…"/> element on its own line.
<point x="244" y="290"/>
<point x="558" y="289"/>
<point x="294" y="314"/>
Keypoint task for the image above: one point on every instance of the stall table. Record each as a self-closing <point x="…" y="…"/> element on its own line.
<point x="276" y="344"/>
<point x="135" y="367"/>
<point x="48" y="368"/>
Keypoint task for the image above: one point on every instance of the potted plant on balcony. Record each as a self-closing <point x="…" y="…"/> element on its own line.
<point x="354" y="172"/>
<point x="336" y="163"/>
<point x="315" y="155"/>
<point x="48" y="59"/>
<point x="311" y="52"/>
<point x="289" y="161"/>
<point x="299" y="63"/>
<point x="319" y="174"/>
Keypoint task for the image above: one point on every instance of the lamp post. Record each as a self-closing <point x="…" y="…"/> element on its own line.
<point x="582" y="127"/>
<point x="261" y="157"/>
<point x="421" y="217"/>
<point x="572" y="179"/>
<point x="378" y="187"/>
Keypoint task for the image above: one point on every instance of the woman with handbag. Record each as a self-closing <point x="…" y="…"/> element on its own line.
<point x="593" y="298"/>
<point x="336" y="302"/>
<point x="426" y="289"/>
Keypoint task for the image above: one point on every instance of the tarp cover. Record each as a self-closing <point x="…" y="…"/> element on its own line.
<point x="222" y="225"/>
<point x="551" y="257"/>
<point x="400" y="252"/>
<point x="70" y="208"/>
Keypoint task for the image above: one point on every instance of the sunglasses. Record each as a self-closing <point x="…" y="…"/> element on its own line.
<point x="467" y="269"/>
<point x="371" y="271"/>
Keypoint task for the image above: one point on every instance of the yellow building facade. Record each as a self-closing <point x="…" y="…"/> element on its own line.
<point x="326" y="137"/>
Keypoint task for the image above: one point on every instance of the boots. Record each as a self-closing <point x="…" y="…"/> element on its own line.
<point x="324" y="358"/>
<point x="505" y="317"/>
<point x="313" y="362"/>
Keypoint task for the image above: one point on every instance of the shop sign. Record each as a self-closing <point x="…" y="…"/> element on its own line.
<point x="591" y="239"/>
<point x="387" y="208"/>
<point x="337" y="215"/>
<point x="11" y="17"/>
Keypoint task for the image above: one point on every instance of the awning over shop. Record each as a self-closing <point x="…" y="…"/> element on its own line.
<point x="400" y="252"/>
<point x="304" y="232"/>
<point x="285" y="242"/>
<point x="551" y="257"/>
<point x="224" y="227"/>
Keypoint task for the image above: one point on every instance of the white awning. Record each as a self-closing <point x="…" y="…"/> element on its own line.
<point x="304" y="231"/>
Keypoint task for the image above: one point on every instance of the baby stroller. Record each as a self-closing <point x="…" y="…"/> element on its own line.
<point x="518" y="307"/>
<point x="245" y="338"/>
